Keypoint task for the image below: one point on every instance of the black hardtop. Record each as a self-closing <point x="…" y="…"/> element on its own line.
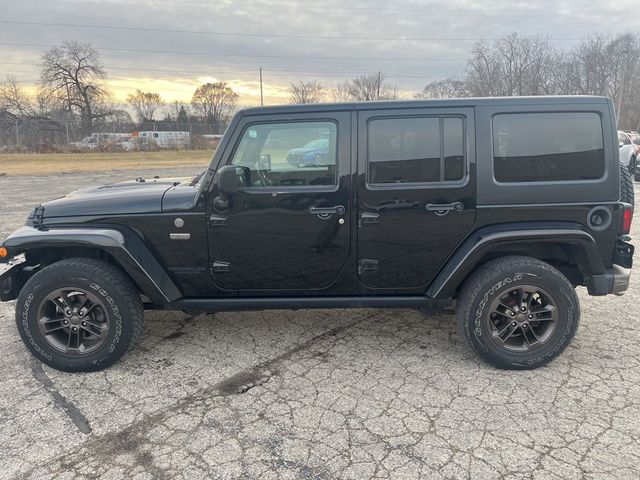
<point x="410" y="104"/>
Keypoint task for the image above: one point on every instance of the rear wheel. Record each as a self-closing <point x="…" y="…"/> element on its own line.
<point x="79" y="314"/>
<point x="518" y="312"/>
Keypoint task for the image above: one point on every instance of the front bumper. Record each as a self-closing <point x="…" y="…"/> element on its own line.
<point x="8" y="281"/>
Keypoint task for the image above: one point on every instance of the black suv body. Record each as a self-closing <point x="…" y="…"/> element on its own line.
<point x="504" y="205"/>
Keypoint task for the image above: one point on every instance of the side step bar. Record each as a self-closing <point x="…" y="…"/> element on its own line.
<point x="296" y="303"/>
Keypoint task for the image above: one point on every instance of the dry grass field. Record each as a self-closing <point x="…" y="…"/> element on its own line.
<point x="51" y="164"/>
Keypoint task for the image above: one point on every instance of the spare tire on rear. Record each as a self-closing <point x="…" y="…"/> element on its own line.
<point x="626" y="186"/>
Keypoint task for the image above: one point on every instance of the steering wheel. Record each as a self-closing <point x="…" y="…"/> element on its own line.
<point x="262" y="174"/>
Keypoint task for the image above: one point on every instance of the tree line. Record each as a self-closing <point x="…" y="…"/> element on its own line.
<point x="73" y="91"/>
<point x="601" y="64"/>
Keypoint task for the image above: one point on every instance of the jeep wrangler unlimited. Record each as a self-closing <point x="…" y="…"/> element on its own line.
<point x="503" y="205"/>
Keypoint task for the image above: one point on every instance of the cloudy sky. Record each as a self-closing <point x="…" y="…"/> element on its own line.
<point x="173" y="46"/>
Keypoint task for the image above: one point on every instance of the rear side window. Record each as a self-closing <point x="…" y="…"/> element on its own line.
<point x="415" y="150"/>
<point x="548" y="147"/>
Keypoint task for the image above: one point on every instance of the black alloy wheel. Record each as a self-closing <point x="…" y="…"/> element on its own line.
<point x="73" y="321"/>
<point x="523" y="318"/>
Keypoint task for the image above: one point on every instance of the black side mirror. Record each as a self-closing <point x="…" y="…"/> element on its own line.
<point x="230" y="177"/>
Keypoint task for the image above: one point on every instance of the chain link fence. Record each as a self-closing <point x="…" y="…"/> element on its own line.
<point x="35" y="134"/>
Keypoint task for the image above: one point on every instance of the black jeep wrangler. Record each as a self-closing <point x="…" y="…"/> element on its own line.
<point x="502" y="205"/>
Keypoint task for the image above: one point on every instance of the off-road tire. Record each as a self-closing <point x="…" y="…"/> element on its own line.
<point x="123" y="311"/>
<point x="497" y="277"/>
<point x="626" y="186"/>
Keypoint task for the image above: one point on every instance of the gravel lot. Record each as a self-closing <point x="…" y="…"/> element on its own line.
<point x="319" y="394"/>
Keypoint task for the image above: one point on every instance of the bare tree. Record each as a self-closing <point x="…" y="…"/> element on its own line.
<point x="447" y="88"/>
<point x="73" y="74"/>
<point x="180" y="112"/>
<point x="14" y="99"/>
<point x="214" y="102"/>
<point x="145" y="104"/>
<point x="307" y="92"/>
<point x="370" y="87"/>
<point x="608" y="65"/>
<point x="513" y="65"/>
<point x="340" y="93"/>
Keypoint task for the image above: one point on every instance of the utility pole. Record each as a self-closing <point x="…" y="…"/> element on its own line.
<point x="66" y="125"/>
<point x="379" y="77"/>
<point x="17" y="135"/>
<point x="261" y="96"/>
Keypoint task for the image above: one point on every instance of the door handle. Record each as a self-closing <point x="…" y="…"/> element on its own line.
<point x="339" y="209"/>
<point x="442" y="209"/>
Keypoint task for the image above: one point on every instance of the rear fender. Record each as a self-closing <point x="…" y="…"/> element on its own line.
<point x="482" y="242"/>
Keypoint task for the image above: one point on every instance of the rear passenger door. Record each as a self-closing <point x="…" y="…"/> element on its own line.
<point x="416" y="194"/>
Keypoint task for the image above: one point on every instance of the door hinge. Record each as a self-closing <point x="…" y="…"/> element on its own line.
<point x="218" y="266"/>
<point x="367" y="265"/>
<point x="368" y="218"/>
<point x="217" y="220"/>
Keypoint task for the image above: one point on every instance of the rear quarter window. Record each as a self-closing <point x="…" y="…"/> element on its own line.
<point x="548" y="147"/>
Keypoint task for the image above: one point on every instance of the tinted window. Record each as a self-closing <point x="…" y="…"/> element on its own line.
<point x="533" y="147"/>
<point x="415" y="150"/>
<point x="288" y="154"/>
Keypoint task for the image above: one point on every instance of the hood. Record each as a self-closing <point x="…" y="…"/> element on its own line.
<point x="131" y="197"/>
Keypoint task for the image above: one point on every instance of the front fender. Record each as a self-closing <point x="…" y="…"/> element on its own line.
<point x="481" y="242"/>
<point x="124" y="246"/>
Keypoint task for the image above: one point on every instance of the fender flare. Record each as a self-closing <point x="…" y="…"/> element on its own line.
<point x="481" y="242"/>
<point x="128" y="250"/>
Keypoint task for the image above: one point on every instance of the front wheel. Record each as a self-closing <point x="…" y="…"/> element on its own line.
<point x="79" y="315"/>
<point x="518" y="312"/>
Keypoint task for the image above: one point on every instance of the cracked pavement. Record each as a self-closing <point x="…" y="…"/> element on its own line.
<point x="319" y="394"/>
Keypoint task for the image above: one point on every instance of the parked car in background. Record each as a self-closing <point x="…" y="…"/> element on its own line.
<point x="102" y="141"/>
<point x="635" y="138"/>
<point x="628" y="154"/>
<point x="313" y="153"/>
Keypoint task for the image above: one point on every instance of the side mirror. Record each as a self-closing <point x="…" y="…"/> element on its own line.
<point x="620" y="144"/>
<point x="229" y="177"/>
<point x="265" y="162"/>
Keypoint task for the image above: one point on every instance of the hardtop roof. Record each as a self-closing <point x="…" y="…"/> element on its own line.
<point x="453" y="102"/>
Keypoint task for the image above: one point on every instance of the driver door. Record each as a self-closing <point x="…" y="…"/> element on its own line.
<point x="287" y="227"/>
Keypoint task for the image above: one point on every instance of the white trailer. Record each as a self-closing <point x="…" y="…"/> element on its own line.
<point x="168" y="140"/>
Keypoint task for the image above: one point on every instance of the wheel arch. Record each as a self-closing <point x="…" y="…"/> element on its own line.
<point x="121" y="248"/>
<point x="566" y="246"/>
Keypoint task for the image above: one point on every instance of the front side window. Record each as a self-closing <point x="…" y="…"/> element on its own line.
<point x="415" y="150"/>
<point x="548" y="147"/>
<point x="288" y="154"/>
